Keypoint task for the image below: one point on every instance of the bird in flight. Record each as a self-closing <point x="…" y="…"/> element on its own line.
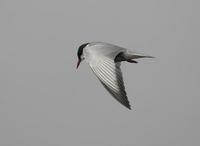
<point x="105" y="59"/>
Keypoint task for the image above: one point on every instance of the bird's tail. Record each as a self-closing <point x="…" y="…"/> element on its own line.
<point x="136" y="55"/>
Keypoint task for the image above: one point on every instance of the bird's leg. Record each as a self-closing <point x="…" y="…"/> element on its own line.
<point x="131" y="61"/>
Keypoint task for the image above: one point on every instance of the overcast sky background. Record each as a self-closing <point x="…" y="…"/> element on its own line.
<point x="45" y="101"/>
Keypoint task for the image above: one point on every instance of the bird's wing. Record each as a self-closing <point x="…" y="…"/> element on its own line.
<point x="110" y="75"/>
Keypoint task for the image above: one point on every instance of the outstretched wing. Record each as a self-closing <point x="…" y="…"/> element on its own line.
<point x="110" y="75"/>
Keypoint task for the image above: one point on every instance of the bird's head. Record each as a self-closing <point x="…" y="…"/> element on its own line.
<point x="80" y="54"/>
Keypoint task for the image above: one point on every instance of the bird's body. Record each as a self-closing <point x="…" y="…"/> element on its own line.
<point x="105" y="60"/>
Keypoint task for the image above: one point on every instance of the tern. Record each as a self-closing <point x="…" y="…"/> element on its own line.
<point x="105" y="59"/>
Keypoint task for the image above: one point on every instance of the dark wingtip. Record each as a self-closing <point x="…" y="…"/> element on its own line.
<point x="129" y="107"/>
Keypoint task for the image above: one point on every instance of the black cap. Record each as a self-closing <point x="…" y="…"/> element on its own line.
<point x="80" y="50"/>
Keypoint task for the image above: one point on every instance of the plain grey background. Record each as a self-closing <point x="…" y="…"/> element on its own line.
<point x="45" y="101"/>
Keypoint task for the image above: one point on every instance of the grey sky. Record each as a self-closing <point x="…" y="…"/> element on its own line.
<point x="45" y="101"/>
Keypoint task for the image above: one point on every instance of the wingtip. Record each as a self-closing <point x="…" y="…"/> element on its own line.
<point x="129" y="107"/>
